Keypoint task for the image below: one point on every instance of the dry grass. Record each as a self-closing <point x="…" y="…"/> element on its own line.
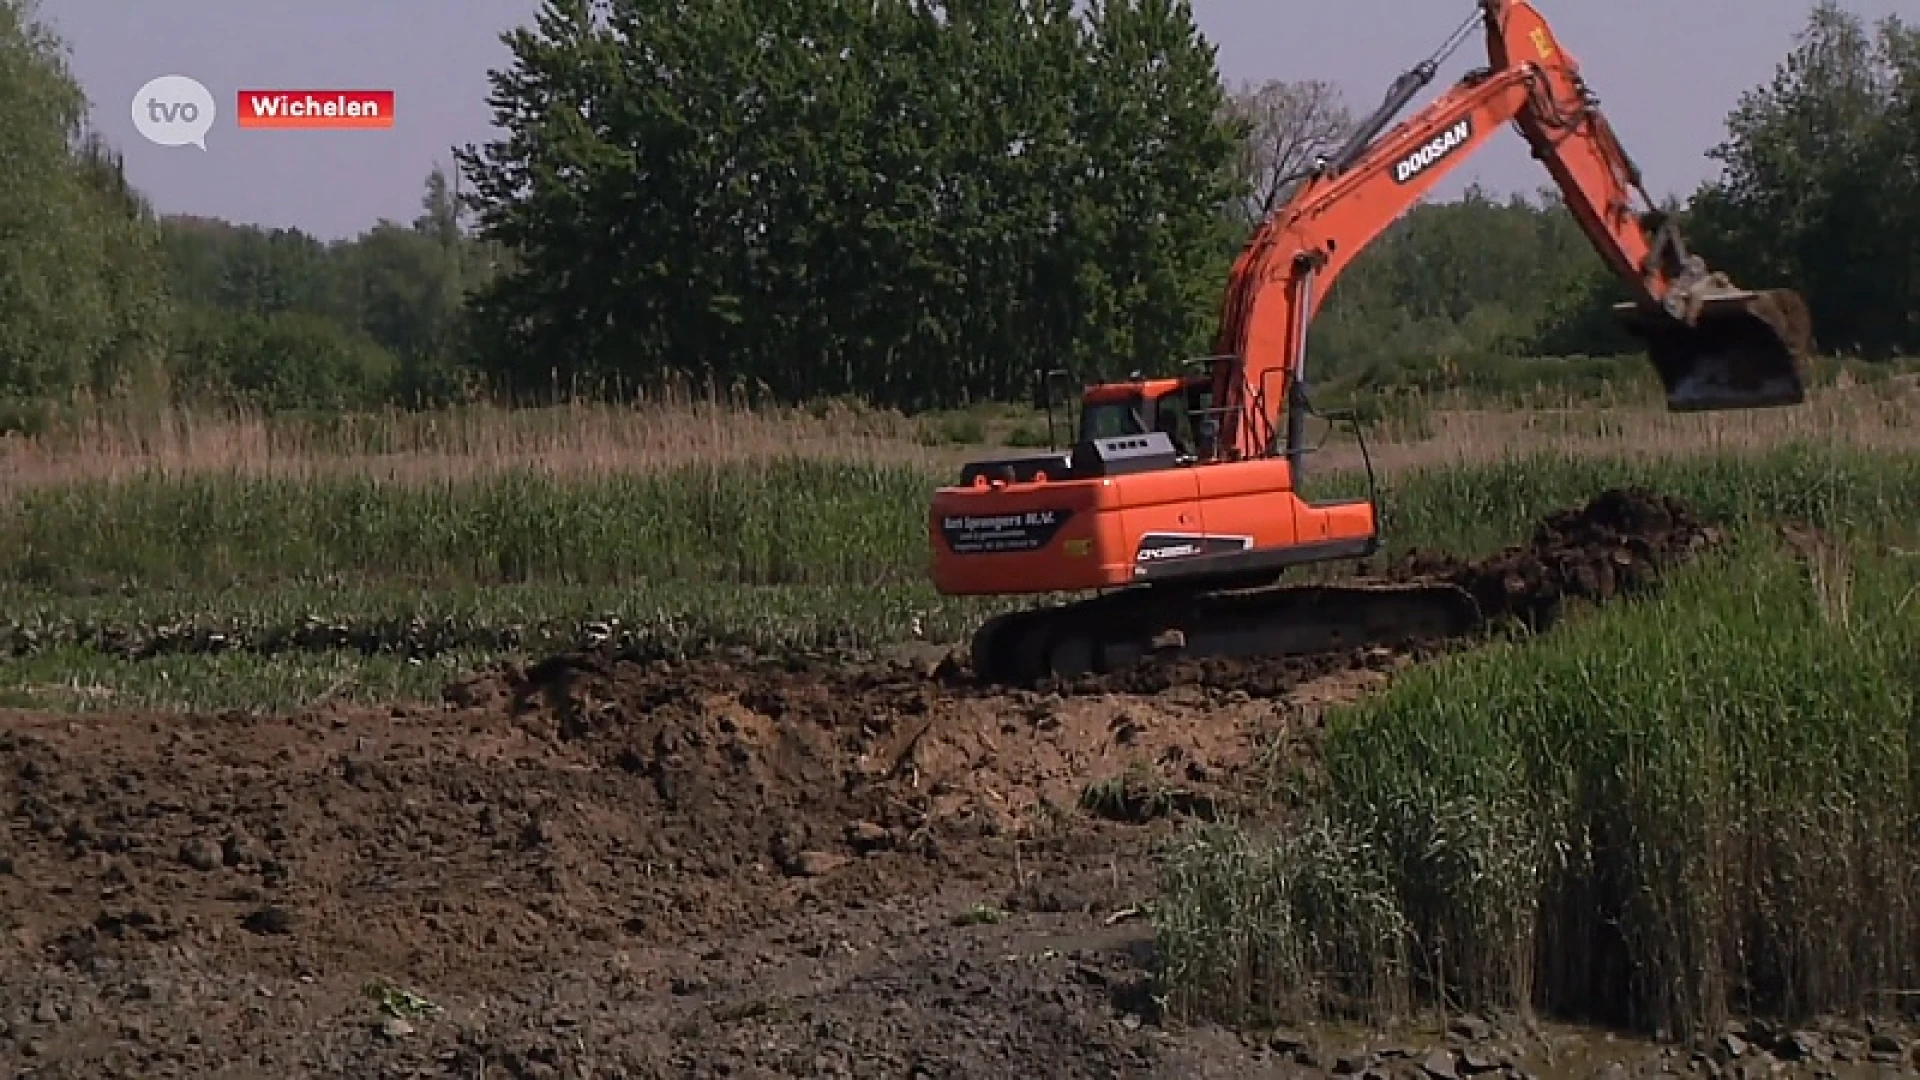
<point x="667" y="431"/>
<point x="1449" y="431"/>
<point x="455" y="444"/>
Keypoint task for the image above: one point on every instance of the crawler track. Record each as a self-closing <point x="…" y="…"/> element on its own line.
<point x="1119" y="629"/>
<point x="1617" y="542"/>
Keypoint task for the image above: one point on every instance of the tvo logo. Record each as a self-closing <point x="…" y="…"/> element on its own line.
<point x="1436" y="149"/>
<point x="174" y="110"/>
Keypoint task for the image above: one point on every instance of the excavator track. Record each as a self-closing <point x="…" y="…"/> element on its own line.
<point x="1111" y="631"/>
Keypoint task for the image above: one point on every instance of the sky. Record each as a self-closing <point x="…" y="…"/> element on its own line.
<point x="1666" y="71"/>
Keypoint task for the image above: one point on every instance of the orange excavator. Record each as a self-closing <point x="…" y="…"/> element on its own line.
<point x="1179" y="501"/>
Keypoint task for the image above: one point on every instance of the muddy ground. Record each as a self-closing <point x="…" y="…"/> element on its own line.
<point x="598" y="866"/>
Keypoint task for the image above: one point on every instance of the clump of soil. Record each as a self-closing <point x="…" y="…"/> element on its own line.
<point x="1619" y="543"/>
<point x="800" y="768"/>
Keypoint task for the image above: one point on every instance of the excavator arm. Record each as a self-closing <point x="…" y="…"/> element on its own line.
<point x="1714" y="346"/>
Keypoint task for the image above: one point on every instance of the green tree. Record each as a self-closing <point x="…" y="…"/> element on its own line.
<point x="917" y="202"/>
<point x="81" y="294"/>
<point x="396" y="290"/>
<point x="407" y="287"/>
<point x="1818" y="187"/>
<point x="1475" y="277"/>
<point x="279" y="360"/>
<point x="1165" y="168"/>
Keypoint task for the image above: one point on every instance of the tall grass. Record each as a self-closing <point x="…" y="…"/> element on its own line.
<point x="121" y="441"/>
<point x="777" y="522"/>
<point x="790" y="521"/>
<point x="1469" y="508"/>
<point x="1673" y="809"/>
<point x="654" y="433"/>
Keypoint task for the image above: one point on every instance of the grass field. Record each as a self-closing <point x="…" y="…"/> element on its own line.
<point x="436" y="540"/>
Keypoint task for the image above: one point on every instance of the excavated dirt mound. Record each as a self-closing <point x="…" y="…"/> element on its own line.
<point x="599" y="867"/>
<point x="800" y="767"/>
<point x="1619" y="543"/>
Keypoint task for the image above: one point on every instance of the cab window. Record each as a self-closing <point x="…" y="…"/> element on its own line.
<point x="1109" y="420"/>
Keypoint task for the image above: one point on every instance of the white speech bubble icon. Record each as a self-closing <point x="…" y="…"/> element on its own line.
<point x="174" y="110"/>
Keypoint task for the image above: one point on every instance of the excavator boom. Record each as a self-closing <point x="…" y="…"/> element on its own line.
<point x="1713" y="345"/>
<point x="1190" y="529"/>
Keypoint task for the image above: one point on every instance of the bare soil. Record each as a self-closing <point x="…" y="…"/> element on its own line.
<point x="598" y="866"/>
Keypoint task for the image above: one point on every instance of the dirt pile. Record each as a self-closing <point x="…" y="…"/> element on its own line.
<point x="742" y="768"/>
<point x="654" y="857"/>
<point x="637" y="868"/>
<point x="801" y="768"/>
<point x="1619" y="543"/>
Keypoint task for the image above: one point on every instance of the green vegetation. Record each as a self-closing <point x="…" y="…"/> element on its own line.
<point x="81" y="301"/>
<point x="1466" y="509"/>
<point x="206" y="569"/>
<point x="777" y="523"/>
<point x="149" y="573"/>
<point x="770" y="523"/>
<point x="84" y="679"/>
<point x="1691" y="804"/>
<point x="855" y="232"/>
<point x="1818" y="184"/>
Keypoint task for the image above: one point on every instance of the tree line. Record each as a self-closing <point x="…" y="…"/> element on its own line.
<point x="919" y="202"/>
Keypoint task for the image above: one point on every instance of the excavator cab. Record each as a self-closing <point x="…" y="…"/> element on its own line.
<point x="1172" y="406"/>
<point x="1180" y="406"/>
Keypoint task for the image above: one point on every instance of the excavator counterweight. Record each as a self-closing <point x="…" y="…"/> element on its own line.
<point x="1179" y="501"/>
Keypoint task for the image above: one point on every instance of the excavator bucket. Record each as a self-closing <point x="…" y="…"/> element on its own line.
<point x="1743" y="349"/>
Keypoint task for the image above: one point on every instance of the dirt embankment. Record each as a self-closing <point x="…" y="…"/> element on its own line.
<point x="599" y="866"/>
